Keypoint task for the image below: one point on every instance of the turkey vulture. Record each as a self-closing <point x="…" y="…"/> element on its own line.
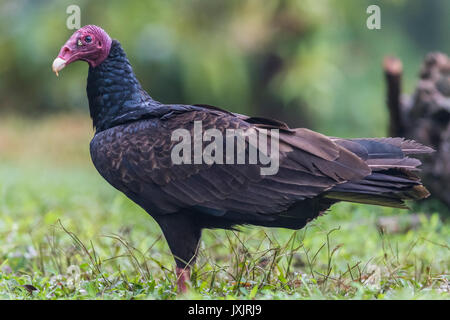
<point x="133" y="144"/>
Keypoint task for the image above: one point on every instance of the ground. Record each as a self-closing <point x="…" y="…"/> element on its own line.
<point x="66" y="234"/>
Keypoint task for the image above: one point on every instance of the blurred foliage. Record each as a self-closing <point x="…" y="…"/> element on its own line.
<point x="310" y="63"/>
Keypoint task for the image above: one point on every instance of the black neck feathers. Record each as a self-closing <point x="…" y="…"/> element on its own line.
<point x="115" y="95"/>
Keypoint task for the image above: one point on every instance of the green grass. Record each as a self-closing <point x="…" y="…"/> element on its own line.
<point x="65" y="232"/>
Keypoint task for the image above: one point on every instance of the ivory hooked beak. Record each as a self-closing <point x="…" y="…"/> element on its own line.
<point x="58" y="65"/>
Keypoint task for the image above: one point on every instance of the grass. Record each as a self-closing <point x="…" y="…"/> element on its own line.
<point x="66" y="234"/>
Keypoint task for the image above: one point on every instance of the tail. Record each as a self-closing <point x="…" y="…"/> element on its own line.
<point x="393" y="179"/>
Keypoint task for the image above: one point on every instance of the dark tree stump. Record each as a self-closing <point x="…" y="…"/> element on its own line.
<point x="425" y="117"/>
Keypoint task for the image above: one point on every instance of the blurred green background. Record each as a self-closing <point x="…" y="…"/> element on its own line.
<point x="310" y="63"/>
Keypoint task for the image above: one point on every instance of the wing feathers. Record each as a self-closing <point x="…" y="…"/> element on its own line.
<point x="313" y="169"/>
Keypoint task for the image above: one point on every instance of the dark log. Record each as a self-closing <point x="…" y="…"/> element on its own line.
<point x="425" y="117"/>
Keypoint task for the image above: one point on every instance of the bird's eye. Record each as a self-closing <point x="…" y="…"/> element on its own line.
<point x="88" y="39"/>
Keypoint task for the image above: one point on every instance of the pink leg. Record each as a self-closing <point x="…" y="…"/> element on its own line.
<point x="183" y="275"/>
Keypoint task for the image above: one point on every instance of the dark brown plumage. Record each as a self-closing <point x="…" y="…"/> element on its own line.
<point x="132" y="151"/>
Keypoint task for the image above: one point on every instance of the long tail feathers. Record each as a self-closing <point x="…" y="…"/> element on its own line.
<point x="392" y="180"/>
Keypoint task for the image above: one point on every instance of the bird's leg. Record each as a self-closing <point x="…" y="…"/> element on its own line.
<point x="183" y="275"/>
<point x="182" y="234"/>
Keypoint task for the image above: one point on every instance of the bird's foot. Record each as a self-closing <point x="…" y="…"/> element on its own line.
<point x="183" y="275"/>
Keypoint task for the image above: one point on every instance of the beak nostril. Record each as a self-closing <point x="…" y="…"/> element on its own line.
<point x="65" y="53"/>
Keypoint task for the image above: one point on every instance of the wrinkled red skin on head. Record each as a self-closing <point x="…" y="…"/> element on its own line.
<point x="94" y="52"/>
